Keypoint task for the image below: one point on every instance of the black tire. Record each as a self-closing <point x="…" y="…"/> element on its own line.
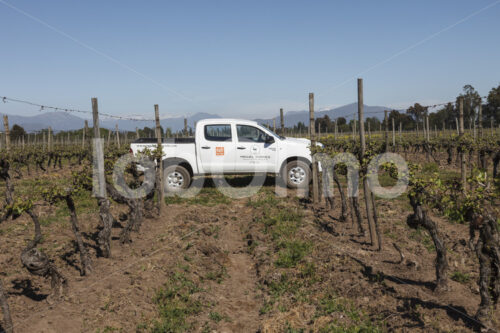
<point x="297" y="174"/>
<point x="177" y="178"/>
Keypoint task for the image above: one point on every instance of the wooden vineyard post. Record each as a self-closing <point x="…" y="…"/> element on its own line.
<point x="117" y="135"/>
<point x="427" y="125"/>
<point x="393" y="136"/>
<point x="274" y="125"/>
<point x="336" y="129"/>
<point x="160" y="186"/>
<point x="84" y="135"/>
<point x="312" y="131"/>
<point x="480" y="121"/>
<point x="424" y="126"/>
<point x="400" y="134"/>
<point x="282" y="122"/>
<point x="369" y="202"/>
<point x="49" y="139"/>
<point x="8" y="327"/>
<point x="354" y="129"/>
<point x="461" y="135"/>
<point x="108" y="142"/>
<point x="43" y="140"/>
<point x="386" y="130"/>
<point x="99" y="181"/>
<point x="7" y="132"/>
<point x="185" y="127"/>
<point x="99" y="176"/>
<point x="458" y="127"/>
<point x="474" y="130"/>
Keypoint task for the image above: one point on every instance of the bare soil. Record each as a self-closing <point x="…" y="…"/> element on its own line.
<point x="232" y="257"/>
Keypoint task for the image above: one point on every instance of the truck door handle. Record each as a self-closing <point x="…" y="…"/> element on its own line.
<point x="242" y="148"/>
<point x="205" y="147"/>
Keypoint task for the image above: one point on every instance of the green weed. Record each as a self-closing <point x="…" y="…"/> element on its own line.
<point x="175" y="304"/>
<point x="460" y="277"/>
<point x="292" y="252"/>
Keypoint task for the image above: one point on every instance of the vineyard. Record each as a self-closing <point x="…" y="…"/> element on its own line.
<point x="325" y="261"/>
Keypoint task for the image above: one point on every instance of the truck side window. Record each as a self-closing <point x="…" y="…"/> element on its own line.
<point x="218" y="132"/>
<point x="250" y="134"/>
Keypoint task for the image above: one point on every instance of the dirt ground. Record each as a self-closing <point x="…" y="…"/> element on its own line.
<point x="259" y="264"/>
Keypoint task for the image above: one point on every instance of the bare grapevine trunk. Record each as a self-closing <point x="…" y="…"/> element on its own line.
<point x="37" y="262"/>
<point x="327" y="190"/>
<point x="469" y="162"/>
<point x="419" y="218"/>
<point x="84" y="256"/>
<point x="9" y="188"/>
<point x="135" y="213"/>
<point x="7" y="319"/>
<point x="343" y="213"/>
<point x="488" y="252"/>
<point x="375" y="220"/>
<point x="496" y="161"/>
<point x="355" y="208"/>
<point x="5" y="176"/>
<point x="138" y="218"/>
<point x="104" y="236"/>
<point x="482" y="159"/>
<point x="449" y="150"/>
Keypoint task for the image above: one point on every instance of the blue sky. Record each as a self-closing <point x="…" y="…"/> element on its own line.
<point x="243" y="58"/>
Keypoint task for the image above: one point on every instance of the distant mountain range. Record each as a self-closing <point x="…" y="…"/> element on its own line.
<point x="61" y="121"/>
<point x="292" y="118"/>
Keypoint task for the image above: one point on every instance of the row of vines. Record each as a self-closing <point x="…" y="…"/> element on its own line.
<point x="31" y="162"/>
<point x="475" y="203"/>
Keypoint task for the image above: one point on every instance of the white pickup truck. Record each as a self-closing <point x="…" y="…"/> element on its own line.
<point x="231" y="146"/>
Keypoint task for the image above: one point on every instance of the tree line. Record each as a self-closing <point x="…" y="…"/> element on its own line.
<point x="444" y="118"/>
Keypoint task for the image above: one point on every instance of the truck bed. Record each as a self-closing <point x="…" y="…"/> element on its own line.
<point x="165" y="140"/>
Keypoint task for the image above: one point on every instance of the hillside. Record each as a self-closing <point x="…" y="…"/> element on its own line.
<point x="61" y="121"/>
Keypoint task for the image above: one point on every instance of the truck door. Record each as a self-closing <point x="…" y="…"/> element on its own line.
<point x="217" y="148"/>
<point x="253" y="154"/>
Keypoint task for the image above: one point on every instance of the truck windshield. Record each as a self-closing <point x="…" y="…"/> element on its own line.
<point x="265" y="129"/>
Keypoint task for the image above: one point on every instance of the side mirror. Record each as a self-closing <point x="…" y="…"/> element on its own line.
<point x="269" y="139"/>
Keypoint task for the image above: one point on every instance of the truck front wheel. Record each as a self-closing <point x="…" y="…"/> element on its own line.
<point x="177" y="178"/>
<point x="297" y="174"/>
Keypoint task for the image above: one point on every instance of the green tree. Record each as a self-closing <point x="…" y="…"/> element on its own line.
<point x="17" y="132"/>
<point x="147" y="132"/>
<point x="492" y="109"/>
<point x="406" y="120"/>
<point x="417" y="112"/>
<point x="341" y="121"/>
<point x="325" y="123"/>
<point x="445" y="115"/>
<point x="472" y="100"/>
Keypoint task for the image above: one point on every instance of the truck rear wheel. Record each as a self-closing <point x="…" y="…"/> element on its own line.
<point x="297" y="174"/>
<point x="177" y="178"/>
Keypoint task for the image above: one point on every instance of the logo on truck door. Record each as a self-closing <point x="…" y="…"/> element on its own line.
<point x="219" y="151"/>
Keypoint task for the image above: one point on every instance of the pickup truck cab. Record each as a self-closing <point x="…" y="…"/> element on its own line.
<point x="231" y="146"/>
